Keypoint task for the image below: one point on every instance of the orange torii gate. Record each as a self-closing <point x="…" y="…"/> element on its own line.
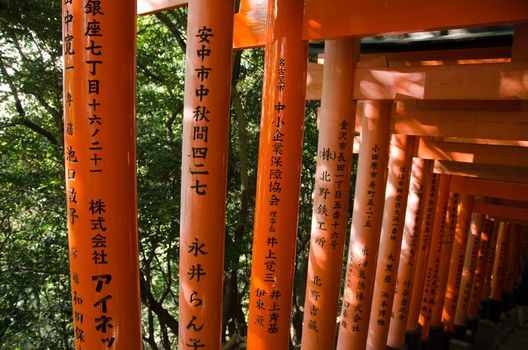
<point x="429" y="95"/>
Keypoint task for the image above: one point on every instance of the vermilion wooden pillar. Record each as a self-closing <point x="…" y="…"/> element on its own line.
<point x="408" y="254"/>
<point x="445" y="254"/>
<point x="486" y="292"/>
<point x="204" y="172"/>
<point x="396" y="193"/>
<point x="332" y="188"/>
<point x="470" y="260"/>
<point x="279" y="166"/>
<point x="434" y="259"/>
<point x="480" y="270"/>
<point x="498" y="276"/>
<point x="100" y="165"/>
<point x="512" y="254"/>
<point x="458" y="252"/>
<point x="366" y="224"/>
<point x="423" y="249"/>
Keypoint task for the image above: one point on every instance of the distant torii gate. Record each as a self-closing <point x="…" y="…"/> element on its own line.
<point x="461" y="114"/>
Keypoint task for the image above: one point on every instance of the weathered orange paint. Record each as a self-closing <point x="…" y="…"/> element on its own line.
<point x="470" y="261"/>
<point x="480" y="270"/>
<point x="408" y="254"/>
<point x="366" y="223"/>
<point x="456" y="265"/>
<point x="100" y="169"/>
<point x="434" y="259"/>
<point x="445" y="254"/>
<point x="498" y="276"/>
<point x="278" y="178"/>
<point x="400" y="160"/>
<point x="431" y="182"/>
<point x="334" y="157"/>
<point x="204" y="172"/>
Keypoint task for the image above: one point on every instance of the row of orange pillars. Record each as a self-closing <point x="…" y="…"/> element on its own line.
<point x="419" y="258"/>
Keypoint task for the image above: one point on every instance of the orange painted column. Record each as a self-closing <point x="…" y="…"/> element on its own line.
<point x="278" y="178"/>
<point x="433" y="261"/>
<point x="498" y="276"/>
<point x="486" y="292"/>
<point x="480" y="270"/>
<point x="366" y="224"/>
<point x="424" y="248"/>
<point x="470" y="261"/>
<point x="204" y="173"/>
<point x="332" y="188"/>
<point x="456" y="265"/>
<point x="408" y="253"/>
<point x="100" y="169"/>
<point x="511" y="255"/>
<point x="397" y="190"/>
<point x="445" y="254"/>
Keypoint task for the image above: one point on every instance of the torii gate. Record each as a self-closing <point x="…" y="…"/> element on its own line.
<point x="438" y="125"/>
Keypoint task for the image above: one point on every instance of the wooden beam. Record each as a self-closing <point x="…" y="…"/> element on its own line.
<point x="472" y="153"/>
<point x="478" y="124"/>
<point x="362" y="18"/>
<point x="146" y="7"/>
<point x="489" y="188"/>
<point x="496" y="81"/>
<point x="493" y="81"/>
<point x="484" y="171"/>
<point x="501" y="211"/>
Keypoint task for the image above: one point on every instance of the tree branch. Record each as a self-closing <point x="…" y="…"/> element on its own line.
<point x="163" y="18"/>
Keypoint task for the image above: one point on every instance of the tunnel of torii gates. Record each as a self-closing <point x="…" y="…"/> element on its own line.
<point x="440" y="211"/>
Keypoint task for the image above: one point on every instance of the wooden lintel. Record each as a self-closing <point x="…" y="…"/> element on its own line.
<point x="146" y="7"/>
<point x="477" y="124"/>
<point x="500" y="211"/>
<point x="495" y="81"/>
<point x="489" y="188"/>
<point x="472" y="153"/>
<point x="340" y="18"/>
<point x="484" y="171"/>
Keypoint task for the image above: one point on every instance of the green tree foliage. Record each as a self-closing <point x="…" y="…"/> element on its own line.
<point x="35" y="306"/>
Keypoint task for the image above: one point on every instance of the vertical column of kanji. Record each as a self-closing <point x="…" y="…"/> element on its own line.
<point x="204" y="172"/>
<point x="409" y="250"/>
<point x="456" y="265"/>
<point x="470" y="260"/>
<point x="447" y="248"/>
<point x="486" y="292"/>
<point x="498" y="275"/>
<point x="400" y="160"/>
<point x="277" y="197"/>
<point x="480" y="270"/>
<point x="366" y="223"/>
<point x="433" y="260"/>
<point x="424" y="246"/>
<point x="332" y="186"/>
<point x="99" y="104"/>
